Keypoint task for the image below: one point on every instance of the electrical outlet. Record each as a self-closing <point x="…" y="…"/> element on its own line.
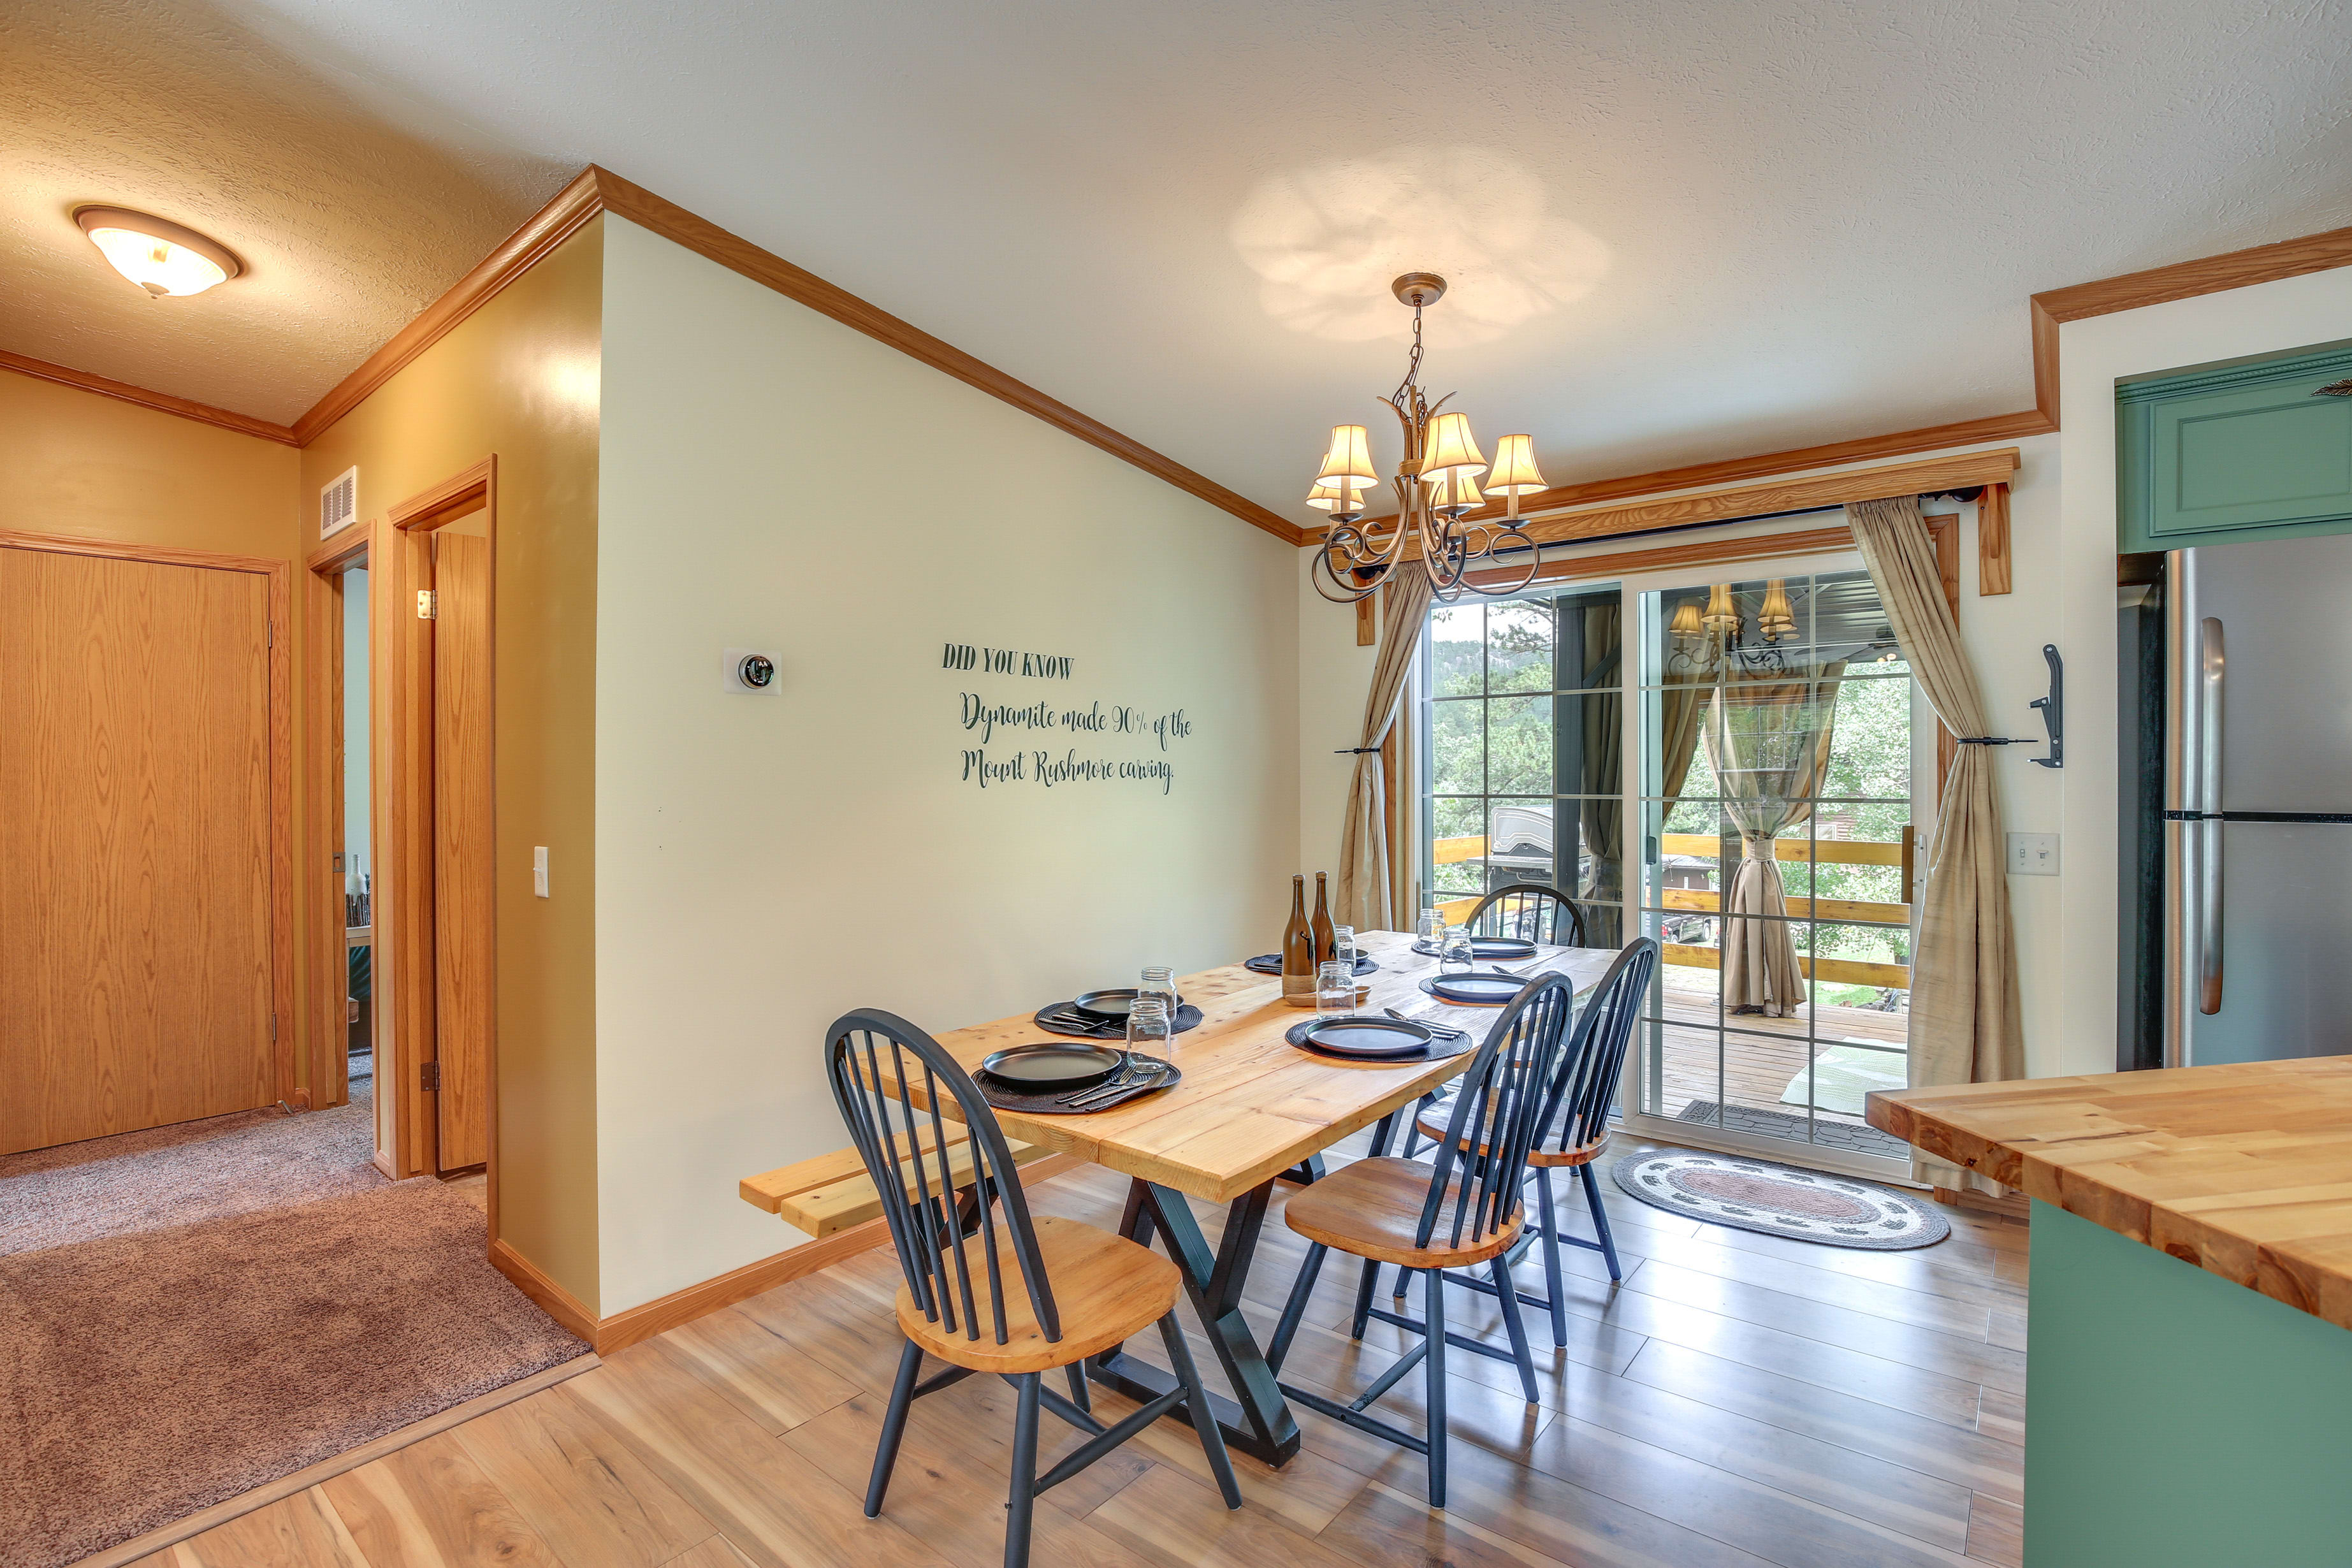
<point x="2033" y="854"/>
<point x="538" y="869"/>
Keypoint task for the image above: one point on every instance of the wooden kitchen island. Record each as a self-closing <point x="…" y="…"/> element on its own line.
<point x="2190" y="1371"/>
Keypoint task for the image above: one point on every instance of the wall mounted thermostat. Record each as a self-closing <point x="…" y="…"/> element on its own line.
<point x="747" y="670"/>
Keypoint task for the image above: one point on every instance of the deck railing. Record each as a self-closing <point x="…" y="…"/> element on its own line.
<point x="1702" y="900"/>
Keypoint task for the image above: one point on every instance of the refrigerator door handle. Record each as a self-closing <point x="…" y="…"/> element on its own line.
<point x="2211" y="664"/>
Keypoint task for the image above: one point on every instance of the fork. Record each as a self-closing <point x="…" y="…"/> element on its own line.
<point x="1111" y="1094"/>
<point x="1120" y="1079"/>
<point x="1430" y="1024"/>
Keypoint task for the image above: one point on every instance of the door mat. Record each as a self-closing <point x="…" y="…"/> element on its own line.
<point x="1780" y="1200"/>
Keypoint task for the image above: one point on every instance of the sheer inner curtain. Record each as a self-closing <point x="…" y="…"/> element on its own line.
<point x="1965" y="1022"/>
<point x="1769" y="741"/>
<point x="1365" y="892"/>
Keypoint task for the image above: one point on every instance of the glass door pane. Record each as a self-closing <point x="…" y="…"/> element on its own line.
<point x="1522" y="731"/>
<point x="1776" y="791"/>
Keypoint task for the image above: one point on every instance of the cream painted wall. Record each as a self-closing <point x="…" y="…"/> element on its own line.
<point x="771" y="480"/>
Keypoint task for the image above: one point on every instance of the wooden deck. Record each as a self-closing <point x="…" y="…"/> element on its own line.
<point x="1759" y="1060"/>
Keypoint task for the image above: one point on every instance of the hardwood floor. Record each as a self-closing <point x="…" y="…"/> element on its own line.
<point x="1740" y="1400"/>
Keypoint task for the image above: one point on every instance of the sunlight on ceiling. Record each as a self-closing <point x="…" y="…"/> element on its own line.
<point x="1325" y="241"/>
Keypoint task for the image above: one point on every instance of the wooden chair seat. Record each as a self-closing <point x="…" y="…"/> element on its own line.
<point x="1547" y="1153"/>
<point x="1105" y="1286"/>
<point x="1372" y="1209"/>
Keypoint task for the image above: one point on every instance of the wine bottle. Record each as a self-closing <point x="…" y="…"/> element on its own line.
<point x="1298" y="945"/>
<point x="1327" y="944"/>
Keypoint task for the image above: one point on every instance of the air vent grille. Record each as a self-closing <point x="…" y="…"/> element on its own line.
<point x="339" y="502"/>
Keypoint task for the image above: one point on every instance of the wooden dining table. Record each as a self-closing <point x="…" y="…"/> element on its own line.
<point x="1251" y="1110"/>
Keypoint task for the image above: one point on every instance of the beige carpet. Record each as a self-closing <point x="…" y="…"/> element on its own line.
<point x="176" y="1175"/>
<point x="153" y="1373"/>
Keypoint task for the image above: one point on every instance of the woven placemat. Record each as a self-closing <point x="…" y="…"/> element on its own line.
<point x="1049" y="1102"/>
<point x="1437" y="1050"/>
<point x="1187" y="1017"/>
<point x="1430" y="986"/>
<point x="1270" y="963"/>
<point x="1487" y="947"/>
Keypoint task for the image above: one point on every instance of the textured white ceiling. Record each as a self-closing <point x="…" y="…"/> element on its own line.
<point x="351" y="210"/>
<point x="1676" y="231"/>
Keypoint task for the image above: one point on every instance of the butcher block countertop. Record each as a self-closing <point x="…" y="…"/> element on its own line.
<point x="2245" y="1171"/>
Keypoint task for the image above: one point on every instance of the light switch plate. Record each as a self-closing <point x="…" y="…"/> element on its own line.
<point x="538" y="869"/>
<point x="2033" y="854"/>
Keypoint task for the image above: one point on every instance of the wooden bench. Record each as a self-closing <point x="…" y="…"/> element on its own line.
<point x="832" y="1192"/>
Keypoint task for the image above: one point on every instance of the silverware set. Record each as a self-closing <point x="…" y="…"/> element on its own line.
<point x="1071" y="1018"/>
<point x="1136" y="1073"/>
<point x="1434" y="1027"/>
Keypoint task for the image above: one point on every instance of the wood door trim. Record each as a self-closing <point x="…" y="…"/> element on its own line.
<point x="327" y="961"/>
<point x="404" y="755"/>
<point x="162" y="402"/>
<point x="286" y="1023"/>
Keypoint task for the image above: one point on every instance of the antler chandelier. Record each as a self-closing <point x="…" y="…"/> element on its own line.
<point x="1436" y="487"/>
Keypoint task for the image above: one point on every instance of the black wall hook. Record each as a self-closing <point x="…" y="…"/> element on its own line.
<point x="2054" y="717"/>
<point x="2053" y="710"/>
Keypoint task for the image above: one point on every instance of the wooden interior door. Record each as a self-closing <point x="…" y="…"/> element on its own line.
<point x="462" y="889"/>
<point x="135" y="845"/>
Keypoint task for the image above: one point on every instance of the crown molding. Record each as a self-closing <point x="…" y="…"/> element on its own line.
<point x="162" y="402"/>
<point x="516" y="255"/>
<point x="2045" y="312"/>
<point x="597" y="190"/>
<point x="673" y="222"/>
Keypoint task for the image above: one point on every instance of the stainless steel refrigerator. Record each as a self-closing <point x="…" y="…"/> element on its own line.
<point x="2256" y="823"/>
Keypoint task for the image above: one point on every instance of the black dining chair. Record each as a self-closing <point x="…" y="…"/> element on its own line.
<point x="1463" y="1211"/>
<point x="1531" y="912"/>
<point x="1575" y="1128"/>
<point x="988" y="1289"/>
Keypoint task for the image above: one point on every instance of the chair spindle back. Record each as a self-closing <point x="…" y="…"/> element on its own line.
<point x="890" y="1079"/>
<point x="1530" y="911"/>
<point x="1497" y="1115"/>
<point x="1586" y="1082"/>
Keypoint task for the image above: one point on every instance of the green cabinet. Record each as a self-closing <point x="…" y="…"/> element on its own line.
<point x="2235" y="452"/>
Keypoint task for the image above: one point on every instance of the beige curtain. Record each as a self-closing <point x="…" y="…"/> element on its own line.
<point x="1364" y="890"/>
<point x="1770" y="744"/>
<point x="1965" y="1024"/>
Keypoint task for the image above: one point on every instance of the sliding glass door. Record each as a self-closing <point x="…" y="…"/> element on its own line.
<point x="1733" y="767"/>
<point x="1780" y="737"/>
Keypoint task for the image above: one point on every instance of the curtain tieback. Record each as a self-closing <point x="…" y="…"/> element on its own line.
<point x="1750" y="847"/>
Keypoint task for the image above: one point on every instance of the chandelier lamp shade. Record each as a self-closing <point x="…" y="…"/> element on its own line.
<point x="1437" y="489"/>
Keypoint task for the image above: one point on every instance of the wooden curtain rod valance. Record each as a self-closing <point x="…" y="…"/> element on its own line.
<point x="1931" y="476"/>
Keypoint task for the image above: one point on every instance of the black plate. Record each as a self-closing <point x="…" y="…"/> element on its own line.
<point x="1043" y="1066"/>
<point x="1110" y="1005"/>
<point x="1270" y="963"/>
<point x="1479" y="990"/>
<point x="1360" y="1035"/>
<point x="1487" y="947"/>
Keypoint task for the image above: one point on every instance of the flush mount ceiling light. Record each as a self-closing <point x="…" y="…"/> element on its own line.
<point x="159" y="255"/>
<point x="1436" y="487"/>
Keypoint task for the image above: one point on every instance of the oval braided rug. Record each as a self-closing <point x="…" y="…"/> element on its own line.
<point x="1780" y="1200"/>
